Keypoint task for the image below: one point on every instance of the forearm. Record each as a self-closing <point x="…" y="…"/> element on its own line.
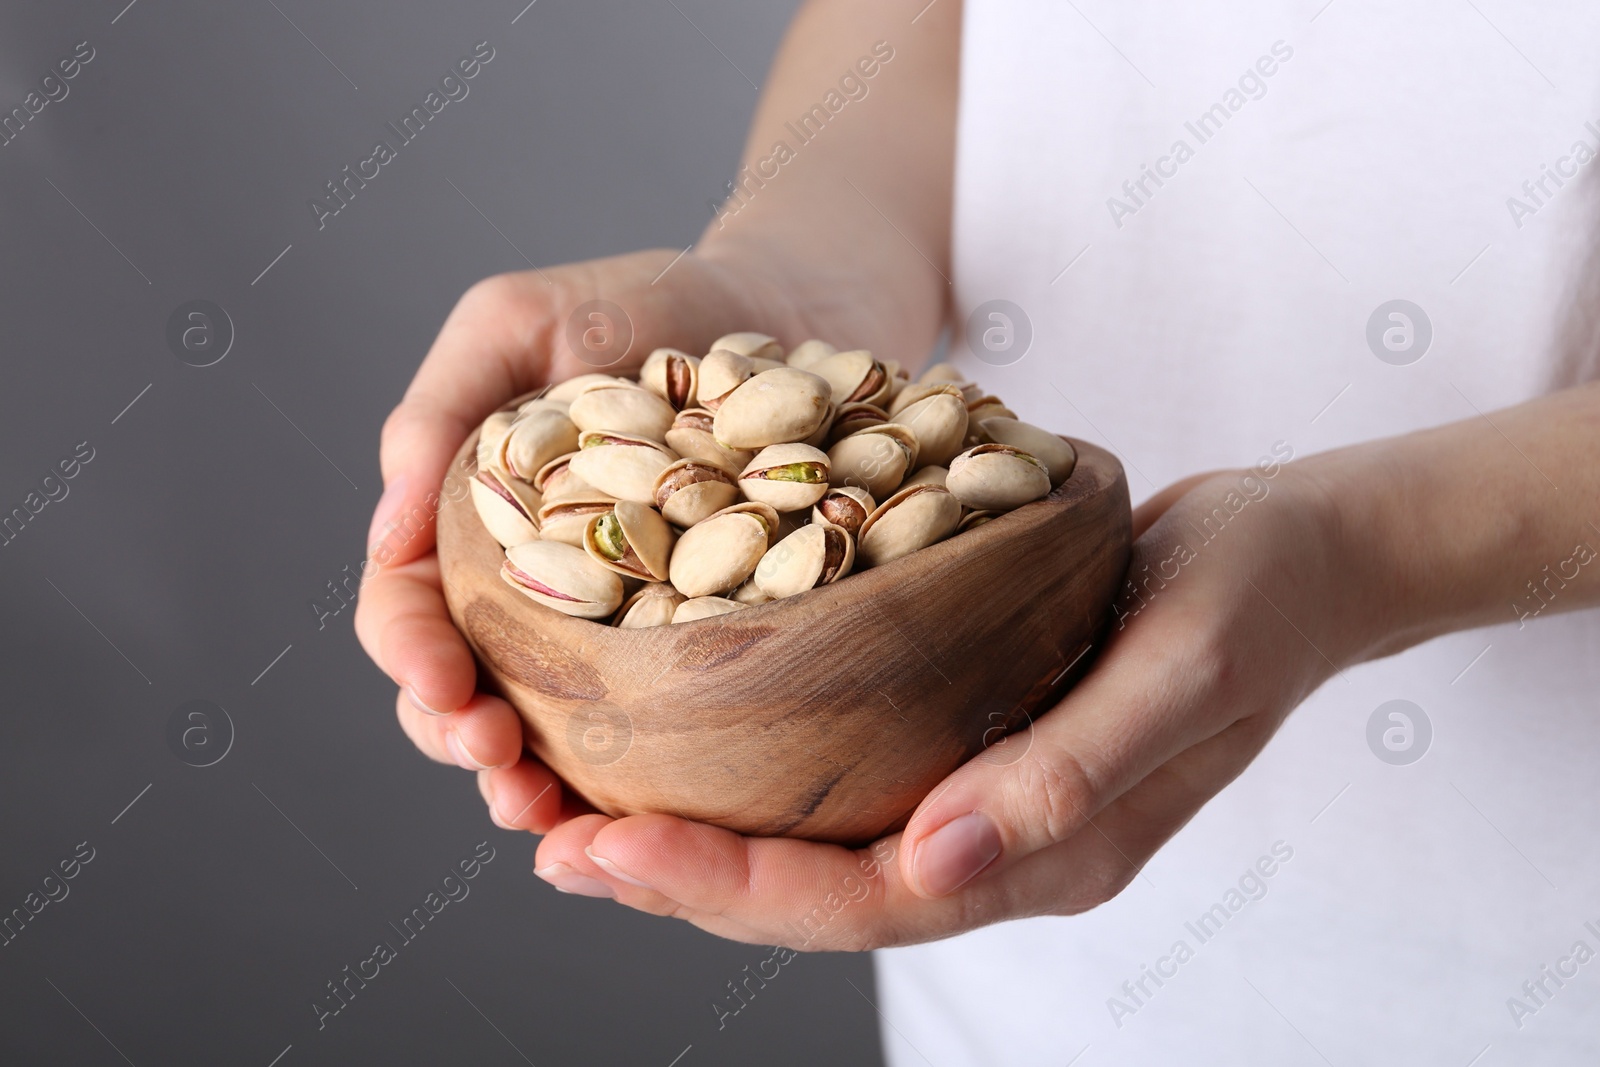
<point x="1492" y="519"/>
<point x="850" y="208"/>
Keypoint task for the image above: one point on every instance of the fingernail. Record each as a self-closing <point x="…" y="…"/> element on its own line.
<point x="383" y="514"/>
<point x="614" y="871"/>
<point x="954" y="854"/>
<point x="459" y="753"/>
<point x="568" y="880"/>
<point x="416" y="702"/>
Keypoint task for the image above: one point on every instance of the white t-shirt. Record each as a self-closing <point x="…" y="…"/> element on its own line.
<point x="1332" y="161"/>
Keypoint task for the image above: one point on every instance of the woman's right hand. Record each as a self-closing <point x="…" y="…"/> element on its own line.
<point x="508" y="335"/>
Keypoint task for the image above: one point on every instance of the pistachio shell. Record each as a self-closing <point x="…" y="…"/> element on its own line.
<point x="691" y="437"/>
<point x="774" y="407"/>
<point x="790" y="477"/>
<point x="819" y="437"/>
<point x="533" y="440"/>
<point x="566" y="519"/>
<point x="757" y="345"/>
<point x="492" y="436"/>
<point x="692" y="489"/>
<point x="651" y="605"/>
<point x="621" y="465"/>
<point x="845" y="506"/>
<point x="562" y="577"/>
<point x="1057" y="454"/>
<point x="811" y="556"/>
<point x="718" y="553"/>
<point x="623" y="408"/>
<point x="855" y="416"/>
<point x="705" y="607"/>
<point x="940" y="423"/>
<point x="632" y="540"/>
<point x="997" y="478"/>
<point x="854" y="375"/>
<point x="671" y="375"/>
<point x="982" y="408"/>
<point x="942" y="372"/>
<point x="750" y="593"/>
<point x="921" y="391"/>
<point x="973" y="519"/>
<point x="932" y="474"/>
<point x="556" y="481"/>
<point x="804" y="354"/>
<point x="721" y="372"/>
<point x="877" y="458"/>
<point x="912" y="518"/>
<point x="538" y="402"/>
<point x="567" y="391"/>
<point x="507" y="506"/>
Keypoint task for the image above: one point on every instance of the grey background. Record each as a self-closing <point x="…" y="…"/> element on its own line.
<point x="184" y="556"/>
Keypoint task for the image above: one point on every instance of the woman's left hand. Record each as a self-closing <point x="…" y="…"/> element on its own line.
<point x="1239" y="607"/>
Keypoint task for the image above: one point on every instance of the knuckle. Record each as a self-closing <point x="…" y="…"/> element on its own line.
<point x="1057" y="791"/>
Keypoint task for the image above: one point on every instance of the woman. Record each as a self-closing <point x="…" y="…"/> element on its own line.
<point x="1355" y="237"/>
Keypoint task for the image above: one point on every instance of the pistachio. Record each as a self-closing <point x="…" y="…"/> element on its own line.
<point x="562" y="577"/>
<point x="538" y="402"/>
<point x="804" y="354"/>
<point x="533" y="440"/>
<point x="939" y="373"/>
<point x="790" y="477"/>
<point x="566" y="520"/>
<point x="721" y="372"/>
<point x="492" y="436"/>
<point x="854" y="375"/>
<point x="632" y="540"/>
<point x="750" y="594"/>
<point x="625" y="408"/>
<point x="719" y="552"/>
<point x="921" y="391"/>
<point x="932" y="474"/>
<point x="691" y="437"/>
<point x="774" y="407"/>
<point x="555" y="480"/>
<point x="997" y="478"/>
<point x="819" y="436"/>
<point x="621" y="465"/>
<point x="913" y="518"/>
<point x="692" y="489"/>
<point x="671" y="375"/>
<point x="986" y="407"/>
<point x="566" y="392"/>
<point x="973" y="519"/>
<point x="940" y="423"/>
<point x="877" y="458"/>
<point x="845" y="506"/>
<point x="507" y="507"/>
<point x="705" y="607"/>
<point x="755" y="345"/>
<point x="855" y="416"/>
<point x="1058" y="456"/>
<point x="811" y="556"/>
<point x="651" y="605"/>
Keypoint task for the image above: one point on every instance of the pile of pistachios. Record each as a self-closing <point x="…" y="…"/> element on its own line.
<point x="718" y="482"/>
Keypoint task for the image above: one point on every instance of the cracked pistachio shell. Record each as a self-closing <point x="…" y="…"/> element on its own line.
<point x="982" y="408"/>
<point x="921" y="391"/>
<point x="533" y="440"/>
<point x="541" y="402"/>
<point x="754" y="345"/>
<point x="804" y="354"/>
<point x="625" y="408"/>
<point x="877" y="458"/>
<point x="898" y="380"/>
<point x="705" y="607"/>
<point x="672" y="375"/>
<point x="974" y="519"/>
<point x="632" y="540"/>
<point x="939" y="373"/>
<point x="790" y="477"/>
<point x="721" y="372"/>
<point x="772" y="408"/>
<point x="940" y="423"/>
<point x="507" y="506"/>
<point x="566" y="392"/>
<point x="811" y="556"/>
<point x="555" y="480"/>
<point x="997" y="478"/>
<point x="651" y="605"/>
<point x="819" y="437"/>
<point x="1057" y="455"/>
<point x="718" y="553"/>
<point x="621" y="465"/>
<point x="750" y="594"/>
<point x="855" y="416"/>
<point x="692" y="438"/>
<point x="692" y="489"/>
<point x="492" y="436"/>
<point x="911" y="519"/>
<point x="845" y="506"/>
<point x="933" y="474"/>
<point x="562" y="577"/>
<point x="854" y="376"/>
<point x="565" y="520"/>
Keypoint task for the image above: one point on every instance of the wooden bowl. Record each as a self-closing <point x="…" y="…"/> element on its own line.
<point x="828" y="715"/>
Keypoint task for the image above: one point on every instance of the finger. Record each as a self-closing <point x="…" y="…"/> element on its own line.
<point x="560" y="859"/>
<point x="404" y="625"/>
<point x="486" y="733"/>
<point x="524" y="796"/>
<point x="1145" y="515"/>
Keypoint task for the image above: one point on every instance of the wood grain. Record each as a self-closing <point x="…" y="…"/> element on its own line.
<point x="826" y="716"/>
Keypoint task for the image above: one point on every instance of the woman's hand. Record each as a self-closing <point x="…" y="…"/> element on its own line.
<point x="1224" y="629"/>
